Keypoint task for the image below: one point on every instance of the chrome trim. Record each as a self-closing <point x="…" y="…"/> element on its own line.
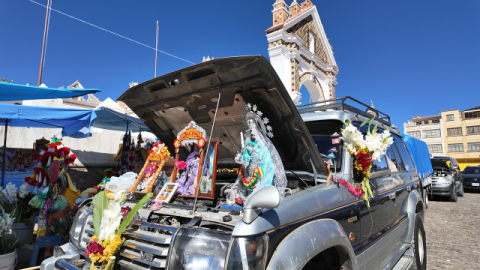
<point x="159" y="238"/>
<point x="129" y="254"/>
<point x="160" y="251"/>
<point x="63" y="265"/>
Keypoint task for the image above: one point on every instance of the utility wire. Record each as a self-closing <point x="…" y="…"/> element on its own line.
<point x="111" y="32"/>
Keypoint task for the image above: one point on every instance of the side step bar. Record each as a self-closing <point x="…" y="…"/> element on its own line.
<point x="406" y="261"/>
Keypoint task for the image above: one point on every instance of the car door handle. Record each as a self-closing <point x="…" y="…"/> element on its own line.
<point x="392" y="196"/>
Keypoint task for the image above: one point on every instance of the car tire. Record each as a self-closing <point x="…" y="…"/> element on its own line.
<point x="420" y="245"/>
<point x="453" y="195"/>
<point x="425" y="191"/>
<point x="461" y="190"/>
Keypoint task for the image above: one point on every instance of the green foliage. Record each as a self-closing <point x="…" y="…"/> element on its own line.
<point x="100" y="203"/>
<point x="19" y="210"/>
<point x="61" y="227"/>
<point x="132" y="213"/>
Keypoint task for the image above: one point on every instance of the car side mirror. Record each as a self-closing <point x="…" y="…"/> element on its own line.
<point x="267" y="197"/>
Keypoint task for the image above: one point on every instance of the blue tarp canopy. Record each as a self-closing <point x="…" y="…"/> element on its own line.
<point x="11" y="92"/>
<point x="73" y="122"/>
<point x="113" y="120"/>
<point x="420" y="155"/>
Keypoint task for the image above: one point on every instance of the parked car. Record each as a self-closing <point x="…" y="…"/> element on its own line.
<point x="317" y="225"/>
<point x="447" y="179"/>
<point x="471" y="177"/>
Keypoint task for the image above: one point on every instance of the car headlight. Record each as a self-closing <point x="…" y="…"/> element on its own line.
<point x="77" y="225"/>
<point x="447" y="180"/>
<point x="248" y="253"/>
<point x="197" y="248"/>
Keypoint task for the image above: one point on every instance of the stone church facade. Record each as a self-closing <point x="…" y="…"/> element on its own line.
<point x="300" y="51"/>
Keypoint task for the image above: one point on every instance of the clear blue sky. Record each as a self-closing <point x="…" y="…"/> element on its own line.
<point x="410" y="57"/>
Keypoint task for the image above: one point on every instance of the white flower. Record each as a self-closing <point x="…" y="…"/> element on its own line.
<point x="12" y="191"/>
<point x="269" y="128"/>
<point x="249" y="106"/>
<point x="24" y="188"/>
<point x="110" y="221"/>
<point x="270" y="134"/>
<point x="352" y="138"/>
<point x="265" y="120"/>
<point x="5" y="223"/>
<point x="259" y="113"/>
<point x="254" y="107"/>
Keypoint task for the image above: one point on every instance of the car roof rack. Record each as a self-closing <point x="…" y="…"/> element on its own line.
<point x="340" y="105"/>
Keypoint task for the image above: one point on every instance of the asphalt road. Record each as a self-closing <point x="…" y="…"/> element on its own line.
<point x="453" y="232"/>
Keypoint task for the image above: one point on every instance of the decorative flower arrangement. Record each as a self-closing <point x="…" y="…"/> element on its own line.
<point x="8" y="241"/>
<point x="354" y="189"/>
<point x="108" y="228"/>
<point x="15" y="202"/>
<point x="365" y="150"/>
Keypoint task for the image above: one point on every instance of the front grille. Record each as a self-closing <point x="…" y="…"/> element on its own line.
<point x="146" y="246"/>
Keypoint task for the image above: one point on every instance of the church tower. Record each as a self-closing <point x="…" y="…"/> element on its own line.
<point x="300" y="51"/>
<point x="280" y="12"/>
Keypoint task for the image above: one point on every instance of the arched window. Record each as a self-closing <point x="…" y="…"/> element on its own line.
<point x="312" y="42"/>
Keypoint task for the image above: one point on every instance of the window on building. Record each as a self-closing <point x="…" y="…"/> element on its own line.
<point x="450" y="117"/>
<point x="312" y="42"/>
<point x="454" y="131"/>
<point x="418" y="123"/>
<point x="415" y="134"/>
<point x="435" y="121"/>
<point x="473" y="130"/>
<point x="474" y="147"/>
<point x="433" y="133"/>
<point x="472" y="115"/>
<point x="456" y="147"/>
<point x="435" y="148"/>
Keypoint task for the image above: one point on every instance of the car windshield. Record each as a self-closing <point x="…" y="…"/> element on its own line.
<point x="472" y="170"/>
<point x="328" y="146"/>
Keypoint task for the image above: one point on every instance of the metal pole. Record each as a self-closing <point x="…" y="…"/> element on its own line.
<point x="4" y="152"/>
<point x="43" y="46"/>
<point x="156" y="51"/>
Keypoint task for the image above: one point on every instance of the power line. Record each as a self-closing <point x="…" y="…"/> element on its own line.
<point x="111" y="32"/>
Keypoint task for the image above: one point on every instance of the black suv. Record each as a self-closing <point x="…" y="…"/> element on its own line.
<point x="471" y="177"/>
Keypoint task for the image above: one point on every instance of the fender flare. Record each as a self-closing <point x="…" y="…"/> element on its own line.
<point x="309" y="240"/>
<point x="409" y="209"/>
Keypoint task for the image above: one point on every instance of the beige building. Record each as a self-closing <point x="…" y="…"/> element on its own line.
<point x="428" y="129"/>
<point x="461" y="135"/>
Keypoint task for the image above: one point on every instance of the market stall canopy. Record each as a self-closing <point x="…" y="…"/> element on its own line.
<point x="11" y="92"/>
<point x="114" y="120"/>
<point x="419" y="151"/>
<point x="73" y="122"/>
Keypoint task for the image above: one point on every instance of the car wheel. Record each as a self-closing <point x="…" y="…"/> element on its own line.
<point x="461" y="191"/>
<point x="453" y="195"/>
<point x="420" y="245"/>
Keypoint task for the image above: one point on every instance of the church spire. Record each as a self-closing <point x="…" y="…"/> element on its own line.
<point x="294" y="9"/>
<point x="280" y="12"/>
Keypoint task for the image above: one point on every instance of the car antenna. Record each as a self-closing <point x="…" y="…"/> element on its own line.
<point x="208" y="148"/>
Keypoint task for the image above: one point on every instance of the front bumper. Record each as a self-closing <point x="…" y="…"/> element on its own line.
<point x="71" y="253"/>
<point x="441" y="189"/>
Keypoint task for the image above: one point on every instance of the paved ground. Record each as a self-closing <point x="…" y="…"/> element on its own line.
<point x="453" y="233"/>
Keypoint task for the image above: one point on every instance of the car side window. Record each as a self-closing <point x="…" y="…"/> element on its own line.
<point x="406" y="158"/>
<point x="392" y="160"/>
<point x="379" y="168"/>
<point x="401" y="165"/>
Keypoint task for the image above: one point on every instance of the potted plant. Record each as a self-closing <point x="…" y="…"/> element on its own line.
<point x="8" y="242"/>
<point x="15" y="203"/>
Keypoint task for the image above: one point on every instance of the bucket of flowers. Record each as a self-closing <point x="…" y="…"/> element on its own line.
<point x="8" y="242"/>
<point x="15" y="203"/>
<point x="365" y="149"/>
<point x="109" y="223"/>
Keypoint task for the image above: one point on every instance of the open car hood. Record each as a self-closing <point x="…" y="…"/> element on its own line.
<point x="168" y="103"/>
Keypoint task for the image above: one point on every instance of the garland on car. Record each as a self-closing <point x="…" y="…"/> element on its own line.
<point x="365" y="150"/>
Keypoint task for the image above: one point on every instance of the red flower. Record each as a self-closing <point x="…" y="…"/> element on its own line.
<point x="365" y="160"/>
<point x="94" y="247"/>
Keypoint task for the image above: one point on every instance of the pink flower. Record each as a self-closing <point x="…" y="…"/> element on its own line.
<point x="180" y="164"/>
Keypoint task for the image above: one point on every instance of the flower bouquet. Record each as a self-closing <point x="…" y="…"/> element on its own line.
<point x="8" y="241"/>
<point x="365" y="150"/>
<point x="109" y="222"/>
